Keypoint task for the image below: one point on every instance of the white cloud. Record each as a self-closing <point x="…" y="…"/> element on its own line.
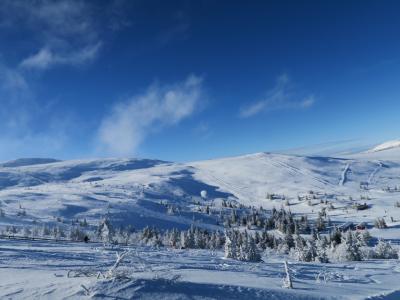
<point x="129" y="123"/>
<point x="282" y="96"/>
<point x="55" y="19"/>
<point x="307" y="102"/>
<point x="45" y="58"/>
<point x="64" y="32"/>
<point x="42" y="60"/>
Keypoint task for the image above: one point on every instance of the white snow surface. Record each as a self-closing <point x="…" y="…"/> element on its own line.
<point x="386" y="146"/>
<point x="130" y="191"/>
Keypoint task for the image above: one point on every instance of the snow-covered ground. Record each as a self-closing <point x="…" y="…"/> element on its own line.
<point x="40" y="270"/>
<point x="134" y="191"/>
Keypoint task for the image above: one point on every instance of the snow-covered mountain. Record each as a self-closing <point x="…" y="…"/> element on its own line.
<point x="386" y="151"/>
<point x="143" y="192"/>
<point x="135" y="191"/>
<point x="385" y="146"/>
<point x="27" y="162"/>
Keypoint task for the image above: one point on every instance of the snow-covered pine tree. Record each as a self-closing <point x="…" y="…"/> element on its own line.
<point x="252" y="251"/>
<point x="45" y="231"/>
<point x="173" y="238"/>
<point x="348" y="249"/>
<point x="384" y="250"/>
<point x="298" y="252"/>
<point x="310" y="250"/>
<point x="243" y="245"/>
<point x="230" y="245"/>
<point x="187" y="239"/>
<point x="288" y="239"/>
<point x="199" y="239"/>
<point x="321" y="249"/>
<point x="27" y="232"/>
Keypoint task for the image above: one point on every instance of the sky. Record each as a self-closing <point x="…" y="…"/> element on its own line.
<point x="192" y="80"/>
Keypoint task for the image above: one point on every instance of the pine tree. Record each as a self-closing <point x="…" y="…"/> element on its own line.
<point x="309" y="251"/>
<point x="27" y="232"/>
<point x="321" y="245"/>
<point x="45" y="231"/>
<point x="300" y="251"/>
<point x="384" y="250"/>
<point x="230" y="245"/>
<point x="252" y="251"/>
<point x="174" y="238"/>
<point x="105" y="231"/>
<point x="187" y="239"/>
<point x="348" y="250"/>
<point x="288" y="240"/>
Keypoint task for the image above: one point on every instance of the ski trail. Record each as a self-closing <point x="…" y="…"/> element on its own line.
<point x="373" y="173"/>
<point x="279" y="163"/>
<point x="222" y="184"/>
<point x="343" y="178"/>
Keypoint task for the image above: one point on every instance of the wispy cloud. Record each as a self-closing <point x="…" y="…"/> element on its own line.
<point x="129" y="122"/>
<point x="46" y="58"/>
<point x="56" y="33"/>
<point x="64" y="32"/>
<point x="281" y="96"/>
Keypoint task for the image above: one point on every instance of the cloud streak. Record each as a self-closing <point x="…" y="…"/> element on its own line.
<point x="46" y="58"/>
<point x="64" y="32"/>
<point x="281" y="96"/>
<point x="130" y="122"/>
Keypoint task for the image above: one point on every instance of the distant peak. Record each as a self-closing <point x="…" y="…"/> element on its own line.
<point x="385" y="146"/>
<point x="20" y="162"/>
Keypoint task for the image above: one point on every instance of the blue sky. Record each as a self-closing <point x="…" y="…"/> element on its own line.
<point x="189" y="80"/>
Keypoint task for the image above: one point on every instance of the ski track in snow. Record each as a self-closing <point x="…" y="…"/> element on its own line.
<point x="303" y="173"/>
<point x="373" y="173"/>
<point x="343" y="178"/>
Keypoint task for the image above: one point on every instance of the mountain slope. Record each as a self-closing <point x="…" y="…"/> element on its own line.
<point x="385" y="151"/>
<point x="385" y="146"/>
<point x="142" y="192"/>
<point x="27" y="162"/>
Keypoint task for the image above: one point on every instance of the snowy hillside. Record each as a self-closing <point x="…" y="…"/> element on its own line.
<point x="386" y="151"/>
<point x="140" y="192"/>
<point x="386" y="146"/>
<point x="131" y="189"/>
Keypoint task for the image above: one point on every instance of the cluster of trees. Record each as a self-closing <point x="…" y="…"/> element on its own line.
<point x="238" y="244"/>
<point x="282" y="220"/>
<point x="337" y="246"/>
<point x="193" y="238"/>
<point x="391" y="189"/>
<point x="241" y="246"/>
<point x="55" y="232"/>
